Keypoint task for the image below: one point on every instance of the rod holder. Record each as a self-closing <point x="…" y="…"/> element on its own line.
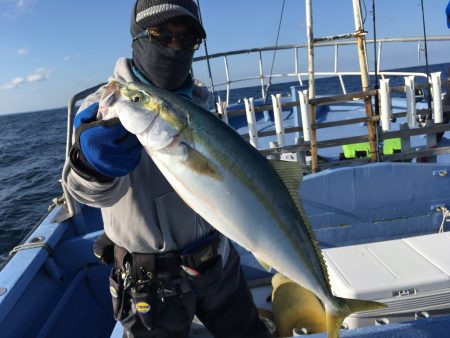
<point x="385" y="104"/>
<point x="306" y="121"/>
<point x="410" y="91"/>
<point x="251" y="121"/>
<point x="277" y="110"/>
<point x="437" y="100"/>
<point x="222" y="111"/>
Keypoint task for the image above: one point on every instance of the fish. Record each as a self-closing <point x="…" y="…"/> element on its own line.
<point x="249" y="199"/>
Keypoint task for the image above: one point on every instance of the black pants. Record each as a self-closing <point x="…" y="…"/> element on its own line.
<point x="227" y="310"/>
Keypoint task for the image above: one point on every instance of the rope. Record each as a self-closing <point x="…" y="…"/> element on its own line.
<point x="375" y="58"/>
<point x="207" y="58"/>
<point x="31" y="245"/>
<point x="445" y="215"/>
<point x="274" y="52"/>
<point x="365" y="12"/>
<point x="426" y="51"/>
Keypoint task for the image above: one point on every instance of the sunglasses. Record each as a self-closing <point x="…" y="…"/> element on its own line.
<point x="164" y="38"/>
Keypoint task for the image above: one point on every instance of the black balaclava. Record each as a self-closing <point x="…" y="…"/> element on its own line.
<point x="164" y="67"/>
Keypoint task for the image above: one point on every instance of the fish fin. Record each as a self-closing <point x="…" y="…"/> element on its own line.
<point x="266" y="266"/>
<point x="346" y="307"/>
<point x="291" y="174"/>
<point x="288" y="171"/>
<point x="200" y="163"/>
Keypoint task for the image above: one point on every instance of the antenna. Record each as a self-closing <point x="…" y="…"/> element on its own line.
<point x="274" y="52"/>
<point x="207" y="58"/>
<point x="426" y="51"/>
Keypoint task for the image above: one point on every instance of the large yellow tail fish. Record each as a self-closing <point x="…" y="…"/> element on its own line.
<point x="231" y="185"/>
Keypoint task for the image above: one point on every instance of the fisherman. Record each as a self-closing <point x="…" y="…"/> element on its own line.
<point x="169" y="263"/>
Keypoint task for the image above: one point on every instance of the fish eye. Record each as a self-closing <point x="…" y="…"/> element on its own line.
<point x="136" y="97"/>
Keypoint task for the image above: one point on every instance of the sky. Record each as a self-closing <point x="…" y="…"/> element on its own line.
<point x="52" y="49"/>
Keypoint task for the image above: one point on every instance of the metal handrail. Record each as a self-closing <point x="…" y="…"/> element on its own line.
<point x="72" y="204"/>
<point x="299" y="74"/>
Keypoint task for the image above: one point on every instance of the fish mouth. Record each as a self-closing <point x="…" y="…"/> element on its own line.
<point x="110" y="95"/>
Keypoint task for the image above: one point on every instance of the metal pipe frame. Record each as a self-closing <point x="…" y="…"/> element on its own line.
<point x="297" y="75"/>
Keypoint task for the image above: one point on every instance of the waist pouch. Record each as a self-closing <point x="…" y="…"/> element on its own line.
<point x="104" y="249"/>
<point x="117" y="283"/>
<point x="202" y="265"/>
<point x="151" y="280"/>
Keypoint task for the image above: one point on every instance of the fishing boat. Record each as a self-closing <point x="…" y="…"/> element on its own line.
<point x="376" y="190"/>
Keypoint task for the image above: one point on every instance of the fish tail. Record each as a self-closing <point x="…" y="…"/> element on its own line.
<point x="345" y="307"/>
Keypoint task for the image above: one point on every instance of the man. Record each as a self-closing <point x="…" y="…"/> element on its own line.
<point x="153" y="232"/>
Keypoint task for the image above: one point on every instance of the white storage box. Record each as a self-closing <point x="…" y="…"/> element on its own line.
<point x="411" y="275"/>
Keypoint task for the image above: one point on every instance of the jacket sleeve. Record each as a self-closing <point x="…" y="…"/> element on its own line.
<point x="93" y="193"/>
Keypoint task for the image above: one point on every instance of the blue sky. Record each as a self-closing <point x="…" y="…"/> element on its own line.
<point x="51" y="49"/>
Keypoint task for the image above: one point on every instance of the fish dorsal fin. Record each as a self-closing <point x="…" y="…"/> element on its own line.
<point x="291" y="174"/>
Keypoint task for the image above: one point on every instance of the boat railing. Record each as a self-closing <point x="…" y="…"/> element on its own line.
<point x="303" y="125"/>
<point x="72" y="205"/>
<point x="301" y="107"/>
<point x="297" y="74"/>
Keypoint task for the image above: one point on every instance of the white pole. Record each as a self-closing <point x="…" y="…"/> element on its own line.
<point x="410" y="101"/>
<point x="309" y="35"/>
<point x="385" y="111"/>
<point x="251" y="121"/>
<point x="227" y="74"/>
<point x="357" y="15"/>
<point x="437" y="100"/>
<point x="306" y="121"/>
<point x="222" y="110"/>
<point x="364" y="68"/>
<point x="277" y="110"/>
<point x="311" y="85"/>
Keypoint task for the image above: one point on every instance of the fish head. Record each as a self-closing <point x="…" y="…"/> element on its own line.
<point x="141" y="112"/>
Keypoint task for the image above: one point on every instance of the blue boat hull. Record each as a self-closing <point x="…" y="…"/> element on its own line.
<point x="60" y="289"/>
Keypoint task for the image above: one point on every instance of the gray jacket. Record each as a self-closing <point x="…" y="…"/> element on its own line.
<point x="141" y="211"/>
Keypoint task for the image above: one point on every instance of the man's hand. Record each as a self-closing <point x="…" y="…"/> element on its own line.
<point x="103" y="149"/>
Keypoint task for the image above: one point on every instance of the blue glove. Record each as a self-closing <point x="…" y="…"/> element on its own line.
<point x="103" y="149"/>
<point x="447" y="11"/>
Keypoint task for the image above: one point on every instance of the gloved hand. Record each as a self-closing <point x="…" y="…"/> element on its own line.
<point x="104" y="249"/>
<point x="103" y="149"/>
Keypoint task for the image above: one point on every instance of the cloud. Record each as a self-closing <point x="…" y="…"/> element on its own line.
<point x="39" y="74"/>
<point x="23" y="51"/>
<point x="23" y="3"/>
<point x="15" y="8"/>
<point x="13" y="83"/>
<point x="72" y="57"/>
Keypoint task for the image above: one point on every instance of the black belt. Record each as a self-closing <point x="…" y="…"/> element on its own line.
<point x="146" y="265"/>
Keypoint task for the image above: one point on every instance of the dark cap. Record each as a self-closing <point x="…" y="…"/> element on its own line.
<point x="151" y="13"/>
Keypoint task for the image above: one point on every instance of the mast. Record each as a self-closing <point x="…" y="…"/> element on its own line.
<point x="362" y="56"/>
<point x="311" y="85"/>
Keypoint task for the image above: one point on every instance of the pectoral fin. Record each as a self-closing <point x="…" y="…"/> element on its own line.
<point x="200" y="164"/>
